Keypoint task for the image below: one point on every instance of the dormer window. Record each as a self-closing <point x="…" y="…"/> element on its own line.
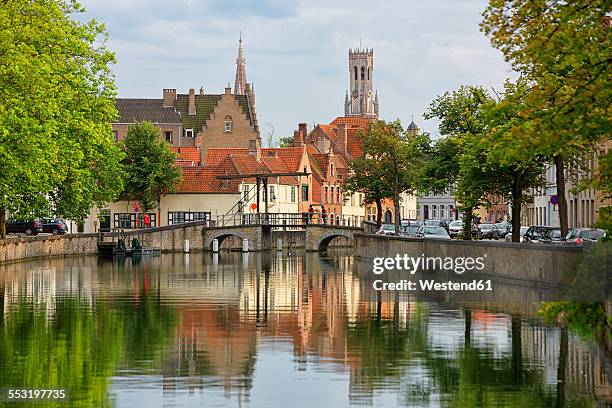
<point x="188" y="132"/>
<point x="331" y="170"/>
<point x="227" y="124"/>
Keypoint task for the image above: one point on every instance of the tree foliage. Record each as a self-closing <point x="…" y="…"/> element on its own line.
<point x="56" y="105"/>
<point x="150" y="169"/>
<point x="389" y="165"/>
<point x="561" y="49"/>
<point x="285" y="141"/>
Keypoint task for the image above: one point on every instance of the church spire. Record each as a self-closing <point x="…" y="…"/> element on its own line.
<point x="241" y="81"/>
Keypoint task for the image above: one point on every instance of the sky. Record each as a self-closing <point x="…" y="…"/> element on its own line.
<point x="297" y="52"/>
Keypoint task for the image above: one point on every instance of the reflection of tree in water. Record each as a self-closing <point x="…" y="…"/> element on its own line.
<point x="77" y="350"/>
<point x="394" y="355"/>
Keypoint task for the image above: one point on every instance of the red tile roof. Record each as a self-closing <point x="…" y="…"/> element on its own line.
<point x="362" y="123"/>
<point x="329" y="132"/>
<point x="291" y="156"/>
<point x="204" y="180"/>
<point x="187" y="156"/>
<point x="354" y="143"/>
<point x="215" y="156"/>
<point x="311" y="148"/>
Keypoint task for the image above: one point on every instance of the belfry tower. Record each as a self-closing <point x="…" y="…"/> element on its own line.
<point x="241" y="81"/>
<point x="361" y="101"/>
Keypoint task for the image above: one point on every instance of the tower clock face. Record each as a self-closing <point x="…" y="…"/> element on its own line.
<point x="355" y="94"/>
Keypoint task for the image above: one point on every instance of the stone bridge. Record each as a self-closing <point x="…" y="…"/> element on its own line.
<point x="317" y="237"/>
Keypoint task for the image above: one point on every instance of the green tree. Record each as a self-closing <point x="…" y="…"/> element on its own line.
<point x="56" y="105"/>
<point x="516" y="172"/>
<point x="461" y="121"/>
<point x="392" y="157"/>
<point x="285" y="141"/>
<point x="562" y="50"/>
<point x="366" y="176"/>
<point x="150" y="168"/>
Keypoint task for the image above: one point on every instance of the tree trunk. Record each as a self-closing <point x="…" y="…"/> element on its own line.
<point x="562" y="367"/>
<point x="378" y="212"/>
<point x="396" y="207"/>
<point x="2" y="223"/>
<point x="561" y="199"/>
<point x="517" y="201"/>
<point x="517" y="351"/>
<point x="467" y="223"/>
<point x="467" y="335"/>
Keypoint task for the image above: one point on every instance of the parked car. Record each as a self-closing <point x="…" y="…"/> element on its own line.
<point x="521" y="233"/>
<point x="489" y="231"/>
<point x="455" y="228"/>
<point x="54" y="226"/>
<point x="437" y="223"/>
<point x="410" y="228"/>
<point x="433" y="232"/>
<point x="552" y="236"/>
<point x="386" y="229"/>
<point x="504" y="228"/>
<point x="580" y="235"/>
<point x="535" y="233"/>
<point x="24" y="227"/>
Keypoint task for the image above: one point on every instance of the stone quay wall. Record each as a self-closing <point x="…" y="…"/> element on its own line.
<point x="509" y="260"/>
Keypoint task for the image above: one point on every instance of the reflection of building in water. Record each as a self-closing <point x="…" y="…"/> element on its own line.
<point x="587" y="374"/>
<point x="42" y="285"/>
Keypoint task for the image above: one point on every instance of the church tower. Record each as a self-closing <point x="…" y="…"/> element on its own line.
<point x="241" y="81"/>
<point x="361" y="101"/>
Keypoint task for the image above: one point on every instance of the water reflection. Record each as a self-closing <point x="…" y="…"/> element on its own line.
<point x="279" y="330"/>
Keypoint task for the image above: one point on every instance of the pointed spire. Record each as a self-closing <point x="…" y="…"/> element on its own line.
<point x="240" y="84"/>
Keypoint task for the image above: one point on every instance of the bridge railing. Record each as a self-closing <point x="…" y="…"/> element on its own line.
<point x="285" y="220"/>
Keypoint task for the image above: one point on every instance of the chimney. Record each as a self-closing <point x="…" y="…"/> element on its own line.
<point x="298" y="140"/>
<point x="201" y="91"/>
<point x="192" y="107"/>
<point x="342" y="139"/>
<point x="255" y="148"/>
<point x="303" y="128"/>
<point x="169" y="97"/>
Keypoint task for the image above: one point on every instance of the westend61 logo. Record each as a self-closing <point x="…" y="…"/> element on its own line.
<point x="411" y="264"/>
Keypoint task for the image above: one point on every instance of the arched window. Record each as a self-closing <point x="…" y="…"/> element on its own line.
<point x="362" y="73"/>
<point x="368" y="74"/>
<point x="331" y="170"/>
<point x="355" y="70"/>
<point x="228" y="124"/>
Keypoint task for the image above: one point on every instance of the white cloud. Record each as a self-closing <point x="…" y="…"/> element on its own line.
<point x="297" y="51"/>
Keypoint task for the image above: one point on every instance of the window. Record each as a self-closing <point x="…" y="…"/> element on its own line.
<point x="304" y="192"/>
<point x="355" y="69"/>
<point x="362" y="73"/>
<point x="168" y="136"/>
<point x="188" y="132"/>
<point x="442" y="211"/>
<point x="338" y="195"/>
<point x="128" y="220"/>
<point x="115" y="135"/>
<point x="331" y="169"/>
<point x="325" y="196"/>
<point x="179" y="217"/>
<point x="245" y="192"/>
<point x="293" y="193"/>
<point x="227" y="124"/>
<point x="272" y="195"/>
<point x="368" y="74"/>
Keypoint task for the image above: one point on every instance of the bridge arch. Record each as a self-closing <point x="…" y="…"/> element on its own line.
<point x="222" y="235"/>
<point x="326" y="238"/>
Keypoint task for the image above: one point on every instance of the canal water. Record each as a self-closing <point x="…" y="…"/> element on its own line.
<point x="279" y="330"/>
